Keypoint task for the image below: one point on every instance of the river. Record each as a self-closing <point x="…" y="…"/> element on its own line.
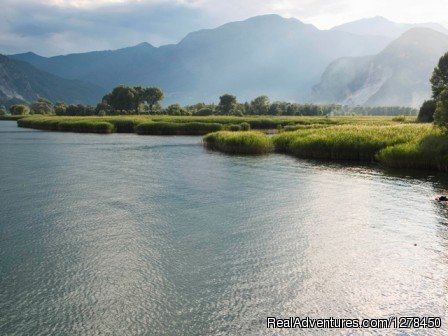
<point x="144" y="235"/>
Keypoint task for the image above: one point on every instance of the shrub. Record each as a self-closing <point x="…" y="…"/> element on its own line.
<point x="245" y="126"/>
<point x="399" y="119"/>
<point x="204" y="112"/>
<point x="426" y="113"/>
<point x="234" y="127"/>
<point x="19" y="109"/>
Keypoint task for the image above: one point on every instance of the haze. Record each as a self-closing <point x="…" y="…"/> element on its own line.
<point x="67" y="26"/>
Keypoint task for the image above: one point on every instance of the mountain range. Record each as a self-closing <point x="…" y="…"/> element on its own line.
<point x="398" y="75"/>
<point x="20" y="81"/>
<point x="379" y="26"/>
<point x="281" y="58"/>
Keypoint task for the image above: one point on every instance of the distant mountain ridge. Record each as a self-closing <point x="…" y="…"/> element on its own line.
<point x="380" y="26"/>
<point x="398" y="75"/>
<point x="20" y="80"/>
<point x="270" y="55"/>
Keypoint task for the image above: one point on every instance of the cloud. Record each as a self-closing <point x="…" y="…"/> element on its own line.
<point x="61" y="27"/>
<point x="51" y="27"/>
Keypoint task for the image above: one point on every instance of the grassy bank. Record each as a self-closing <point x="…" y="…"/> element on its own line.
<point x="348" y="142"/>
<point x="11" y="117"/>
<point x="413" y="146"/>
<point x="251" y="142"/>
<point x="79" y="126"/>
<point x="170" y="128"/>
<point x="129" y="124"/>
<point x="392" y="142"/>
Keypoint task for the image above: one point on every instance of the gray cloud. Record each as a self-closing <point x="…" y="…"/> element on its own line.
<point x="50" y="30"/>
<point x="63" y="26"/>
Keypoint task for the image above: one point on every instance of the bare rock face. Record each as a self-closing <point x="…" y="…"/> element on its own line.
<point x="20" y="80"/>
<point x="398" y="75"/>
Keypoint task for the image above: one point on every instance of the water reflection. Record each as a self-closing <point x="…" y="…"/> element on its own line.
<point x="137" y="235"/>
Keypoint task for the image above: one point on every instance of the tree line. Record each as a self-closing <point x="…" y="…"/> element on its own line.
<point x="127" y="100"/>
<point x="436" y="109"/>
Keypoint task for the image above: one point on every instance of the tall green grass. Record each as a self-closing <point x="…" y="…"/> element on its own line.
<point x="401" y="146"/>
<point x="429" y="152"/>
<point x="169" y="128"/>
<point x="128" y="124"/>
<point x="81" y="126"/>
<point x="358" y="143"/>
<point x="249" y="142"/>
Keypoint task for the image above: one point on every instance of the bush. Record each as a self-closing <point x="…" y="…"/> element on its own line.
<point x="426" y="113"/>
<point x="245" y="126"/>
<point x="19" y="109"/>
<point x="204" y="112"/>
<point x="399" y="119"/>
<point x="168" y="128"/>
<point x="233" y="127"/>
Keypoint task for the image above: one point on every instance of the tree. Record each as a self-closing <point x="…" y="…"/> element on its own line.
<point x="227" y="104"/>
<point x="127" y="98"/>
<point x="426" y="113"/>
<point x="260" y="105"/>
<point x="42" y="106"/>
<point x="176" y="109"/>
<point x="122" y="98"/>
<point x="441" y="114"/>
<point x="151" y="96"/>
<point x="103" y="109"/>
<point x="60" y="108"/>
<point x="19" y="109"/>
<point x="439" y="79"/>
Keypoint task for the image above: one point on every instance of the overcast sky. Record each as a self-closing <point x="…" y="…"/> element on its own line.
<point x="50" y="27"/>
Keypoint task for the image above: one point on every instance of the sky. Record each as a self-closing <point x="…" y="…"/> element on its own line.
<point x="54" y="27"/>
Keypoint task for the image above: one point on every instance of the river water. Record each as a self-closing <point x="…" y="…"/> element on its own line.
<point x="134" y="235"/>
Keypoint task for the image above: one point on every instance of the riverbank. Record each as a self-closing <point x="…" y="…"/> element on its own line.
<point x="416" y="146"/>
<point x="189" y="125"/>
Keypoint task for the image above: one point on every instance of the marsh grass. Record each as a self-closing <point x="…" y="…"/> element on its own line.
<point x="248" y="142"/>
<point x="81" y="126"/>
<point x="128" y="124"/>
<point x="170" y="128"/>
<point x="428" y="152"/>
<point x="357" y="143"/>
<point x="12" y="117"/>
<point x="86" y="127"/>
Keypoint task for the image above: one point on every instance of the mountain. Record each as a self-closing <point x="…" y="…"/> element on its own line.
<point x="268" y="54"/>
<point x="20" y="80"/>
<point x="380" y="26"/>
<point x="398" y="75"/>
